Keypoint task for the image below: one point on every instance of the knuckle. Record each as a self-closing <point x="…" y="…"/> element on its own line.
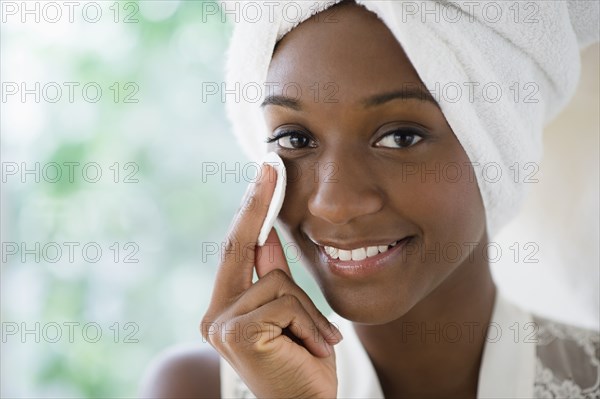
<point x="208" y="328"/>
<point x="233" y="248"/>
<point x="248" y="205"/>
<point x="253" y="332"/>
<point x="205" y="324"/>
<point x="278" y="277"/>
<point x="291" y="301"/>
<point x="232" y="241"/>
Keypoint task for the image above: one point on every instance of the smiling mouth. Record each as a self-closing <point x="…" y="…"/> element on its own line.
<point x="363" y="261"/>
<point x="358" y="254"/>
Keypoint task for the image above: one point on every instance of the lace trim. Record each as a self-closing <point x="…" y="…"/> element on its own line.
<point x="568" y="350"/>
<point x="547" y="385"/>
<point x="586" y="339"/>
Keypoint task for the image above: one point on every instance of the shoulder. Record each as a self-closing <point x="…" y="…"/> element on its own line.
<point x="184" y="371"/>
<point x="567" y="358"/>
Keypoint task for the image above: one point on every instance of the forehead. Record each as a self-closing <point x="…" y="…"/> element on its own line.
<point x="349" y="47"/>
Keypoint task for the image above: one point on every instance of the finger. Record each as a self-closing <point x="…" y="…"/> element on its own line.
<point x="270" y="256"/>
<point x="234" y="275"/>
<point x="285" y="312"/>
<point x="276" y="285"/>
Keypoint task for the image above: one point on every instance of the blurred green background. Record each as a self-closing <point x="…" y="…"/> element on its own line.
<point x="150" y="211"/>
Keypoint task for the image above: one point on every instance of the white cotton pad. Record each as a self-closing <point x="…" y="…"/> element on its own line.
<point x="277" y="201"/>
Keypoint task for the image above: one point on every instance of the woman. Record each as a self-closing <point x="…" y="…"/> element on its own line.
<point x="392" y="213"/>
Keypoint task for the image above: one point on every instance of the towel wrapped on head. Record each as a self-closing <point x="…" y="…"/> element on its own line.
<point x="499" y="70"/>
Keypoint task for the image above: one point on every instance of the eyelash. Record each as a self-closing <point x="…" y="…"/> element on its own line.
<point x="406" y="130"/>
<point x="286" y="133"/>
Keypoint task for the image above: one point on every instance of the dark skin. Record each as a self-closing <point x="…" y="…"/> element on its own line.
<point x="370" y="148"/>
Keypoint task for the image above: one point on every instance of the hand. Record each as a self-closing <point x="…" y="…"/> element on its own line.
<point x="270" y="331"/>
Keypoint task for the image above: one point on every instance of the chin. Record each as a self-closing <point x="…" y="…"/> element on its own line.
<point x="375" y="305"/>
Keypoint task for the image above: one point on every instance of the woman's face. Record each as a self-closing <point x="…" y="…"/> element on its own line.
<point x="370" y="162"/>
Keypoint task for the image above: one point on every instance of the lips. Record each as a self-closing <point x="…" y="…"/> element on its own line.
<point x="357" y="254"/>
<point x="360" y="260"/>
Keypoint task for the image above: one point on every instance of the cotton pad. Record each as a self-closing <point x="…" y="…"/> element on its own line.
<point x="277" y="201"/>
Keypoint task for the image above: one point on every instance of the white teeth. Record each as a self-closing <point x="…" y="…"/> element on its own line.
<point x="372" y="251"/>
<point x="334" y="253"/>
<point x="344" y="255"/>
<point x="331" y="251"/>
<point x="357" y="254"/>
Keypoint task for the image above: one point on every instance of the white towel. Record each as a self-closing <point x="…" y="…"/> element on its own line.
<point x="519" y="59"/>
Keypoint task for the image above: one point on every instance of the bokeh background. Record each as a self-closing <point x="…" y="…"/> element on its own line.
<point x="156" y="139"/>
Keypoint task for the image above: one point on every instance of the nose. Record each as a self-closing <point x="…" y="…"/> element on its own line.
<point x="344" y="190"/>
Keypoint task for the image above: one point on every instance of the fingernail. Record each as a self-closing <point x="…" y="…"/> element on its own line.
<point x="336" y="332"/>
<point x="274" y="161"/>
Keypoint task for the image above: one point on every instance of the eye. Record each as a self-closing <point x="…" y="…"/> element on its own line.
<point x="401" y="138"/>
<point x="292" y="139"/>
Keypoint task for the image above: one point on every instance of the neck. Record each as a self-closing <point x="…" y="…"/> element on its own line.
<point x="435" y="349"/>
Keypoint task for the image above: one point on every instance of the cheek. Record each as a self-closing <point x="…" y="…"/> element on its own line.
<point x="437" y="191"/>
<point x="445" y="201"/>
<point x="452" y="211"/>
<point x="300" y="182"/>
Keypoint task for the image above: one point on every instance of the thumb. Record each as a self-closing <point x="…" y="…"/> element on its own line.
<point x="270" y="256"/>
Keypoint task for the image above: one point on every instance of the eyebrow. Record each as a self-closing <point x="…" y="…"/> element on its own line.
<point x="412" y="92"/>
<point x="282" y="101"/>
<point x="408" y="93"/>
